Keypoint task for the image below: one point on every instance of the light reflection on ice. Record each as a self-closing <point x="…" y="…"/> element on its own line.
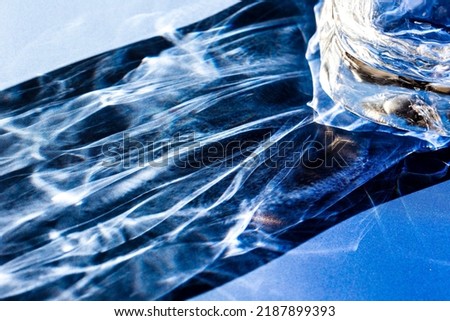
<point x="394" y="51"/>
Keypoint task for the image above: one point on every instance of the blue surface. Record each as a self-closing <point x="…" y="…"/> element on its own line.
<point x="38" y="36"/>
<point x="396" y="251"/>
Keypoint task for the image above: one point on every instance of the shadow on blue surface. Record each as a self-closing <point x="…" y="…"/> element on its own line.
<point x="298" y="202"/>
<point x="393" y="251"/>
